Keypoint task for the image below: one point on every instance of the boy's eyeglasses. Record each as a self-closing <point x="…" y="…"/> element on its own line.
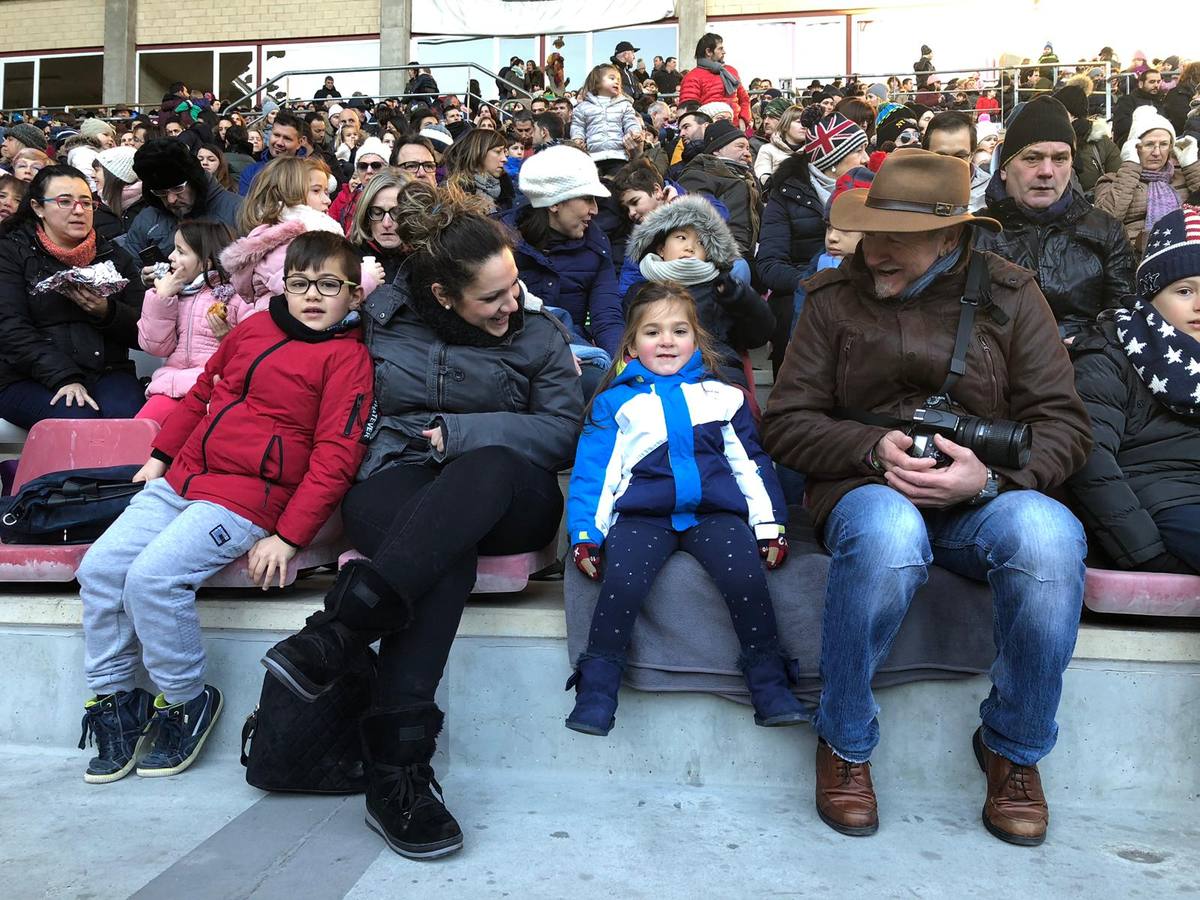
<point x="65" y="202"/>
<point x="326" y="287"/>
<point x="376" y="213"/>
<point x="369" y="166"/>
<point x="414" y="167"/>
<point x="164" y="193"/>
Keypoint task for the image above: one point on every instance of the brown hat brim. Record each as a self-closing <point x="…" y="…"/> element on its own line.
<point x="851" y="213"/>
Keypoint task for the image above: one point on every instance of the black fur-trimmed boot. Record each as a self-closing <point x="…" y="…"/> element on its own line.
<point x="404" y="801"/>
<point x="359" y="608"/>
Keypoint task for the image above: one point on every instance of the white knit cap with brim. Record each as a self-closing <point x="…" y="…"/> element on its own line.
<point x="558" y="174"/>
<point x="1147" y="118"/>
<point x="118" y="161"/>
<point x="439" y="136"/>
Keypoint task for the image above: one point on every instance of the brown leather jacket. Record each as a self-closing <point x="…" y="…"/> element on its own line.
<point x="886" y="357"/>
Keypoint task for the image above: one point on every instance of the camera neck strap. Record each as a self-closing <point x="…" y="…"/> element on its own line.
<point x="974" y="294"/>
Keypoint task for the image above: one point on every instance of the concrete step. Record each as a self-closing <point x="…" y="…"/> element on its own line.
<point x="206" y="835"/>
<point x="1128" y="723"/>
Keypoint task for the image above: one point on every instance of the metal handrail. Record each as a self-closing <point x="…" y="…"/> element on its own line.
<point x="356" y="69"/>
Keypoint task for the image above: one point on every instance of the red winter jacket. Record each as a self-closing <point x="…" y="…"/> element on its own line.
<point x="706" y="87"/>
<point x="272" y="430"/>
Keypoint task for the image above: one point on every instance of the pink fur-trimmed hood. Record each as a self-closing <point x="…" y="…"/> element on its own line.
<point x="247" y="252"/>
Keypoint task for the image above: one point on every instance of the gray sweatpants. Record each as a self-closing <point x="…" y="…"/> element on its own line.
<point x="138" y="583"/>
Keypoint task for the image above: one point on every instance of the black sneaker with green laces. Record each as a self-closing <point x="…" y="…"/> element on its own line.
<point x="117" y="724"/>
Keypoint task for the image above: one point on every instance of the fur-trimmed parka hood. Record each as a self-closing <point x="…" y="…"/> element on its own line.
<point x="692" y="211"/>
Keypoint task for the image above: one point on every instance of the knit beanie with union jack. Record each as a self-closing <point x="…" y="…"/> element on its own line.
<point x="833" y="139"/>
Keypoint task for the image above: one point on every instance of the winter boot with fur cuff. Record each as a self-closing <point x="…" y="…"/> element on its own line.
<point x="596" y="680"/>
<point x="766" y="671"/>
<point x="402" y="806"/>
<point x="359" y="608"/>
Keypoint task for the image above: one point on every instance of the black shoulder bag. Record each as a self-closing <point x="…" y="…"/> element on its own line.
<point x="69" y="507"/>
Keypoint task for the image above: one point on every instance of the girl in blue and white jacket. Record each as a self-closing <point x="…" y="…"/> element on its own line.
<point x="669" y="460"/>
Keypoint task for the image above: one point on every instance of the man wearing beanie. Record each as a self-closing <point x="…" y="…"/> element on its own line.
<point x="1079" y="254"/>
<point x="174" y="187"/>
<point x="923" y="66"/>
<point x="722" y="171"/>
<point x="21" y="137"/>
<point x="1139" y="493"/>
<point x="881" y="336"/>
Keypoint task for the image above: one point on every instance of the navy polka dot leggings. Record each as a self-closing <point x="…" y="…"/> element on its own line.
<point x="634" y="552"/>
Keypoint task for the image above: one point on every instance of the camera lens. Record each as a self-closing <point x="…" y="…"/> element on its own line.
<point x="998" y="442"/>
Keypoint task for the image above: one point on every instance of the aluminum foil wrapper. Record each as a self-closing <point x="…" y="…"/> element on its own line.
<point x="103" y="278"/>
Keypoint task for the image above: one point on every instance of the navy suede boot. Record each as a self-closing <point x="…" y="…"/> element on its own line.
<point x="597" y="680"/>
<point x="766" y="672"/>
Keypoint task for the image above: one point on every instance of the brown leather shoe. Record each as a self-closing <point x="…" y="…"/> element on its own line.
<point x="1015" y="809"/>
<point x="845" y="795"/>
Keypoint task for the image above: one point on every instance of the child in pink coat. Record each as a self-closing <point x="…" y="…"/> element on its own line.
<point x="289" y="197"/>
<point x="186" y="313"/>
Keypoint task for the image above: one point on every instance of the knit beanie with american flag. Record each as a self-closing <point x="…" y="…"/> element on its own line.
<point x="1172" y="251"/>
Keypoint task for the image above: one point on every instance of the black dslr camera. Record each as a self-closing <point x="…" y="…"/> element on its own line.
<point x="997" y="442"/>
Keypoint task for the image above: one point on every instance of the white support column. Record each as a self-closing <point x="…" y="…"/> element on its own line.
<point x="693" y="23"/>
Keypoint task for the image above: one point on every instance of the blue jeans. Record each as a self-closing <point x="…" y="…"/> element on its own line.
<point x="118" y="394"/>
<point x="1029" y="548"/>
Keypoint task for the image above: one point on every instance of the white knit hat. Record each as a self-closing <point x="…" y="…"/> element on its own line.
<point x="118" y="161"/>
<point x="558" y="174"/>
<point x="335" y="110"/>
<point x="82" y="158"/>
<point x="716" y="108"/>
<point x="373" y="146"/>
<point x="1147" y="118"/>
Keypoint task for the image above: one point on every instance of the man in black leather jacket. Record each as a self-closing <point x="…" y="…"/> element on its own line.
<point x="1082" y="260"/>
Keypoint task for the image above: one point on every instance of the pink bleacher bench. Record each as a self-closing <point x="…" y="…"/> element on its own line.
<point x="1142" y="593"/>
<point x="497" y="574"/>
<point x="55" y="445"/>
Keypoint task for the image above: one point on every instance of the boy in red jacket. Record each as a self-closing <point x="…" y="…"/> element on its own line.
<point x="254" y="459"/>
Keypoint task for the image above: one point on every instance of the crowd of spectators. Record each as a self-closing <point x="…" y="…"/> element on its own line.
<point x="499" y="246"/>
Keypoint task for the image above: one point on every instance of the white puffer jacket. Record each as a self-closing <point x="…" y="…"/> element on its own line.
<point x="602" y="123"/>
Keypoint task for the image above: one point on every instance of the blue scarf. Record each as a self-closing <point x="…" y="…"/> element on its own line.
<point x="941" y="266"/>
<point x="1167" y="361"/>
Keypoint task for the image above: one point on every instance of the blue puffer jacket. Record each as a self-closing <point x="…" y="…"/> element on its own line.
<point x="793" y="227"/>
<point x="578" y="276"/>
<point x="671" y="447"/>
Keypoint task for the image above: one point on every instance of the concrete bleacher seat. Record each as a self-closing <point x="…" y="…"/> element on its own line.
<point x="1142" y="593"/>
<point x="56" y="445"/>
<point x="496" y="574"/>
<point x="10" y="434"/>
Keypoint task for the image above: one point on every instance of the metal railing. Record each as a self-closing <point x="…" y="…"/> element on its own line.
<point x="997" y="85"/>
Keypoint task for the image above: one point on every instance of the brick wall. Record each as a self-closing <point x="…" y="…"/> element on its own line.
<point x="39" y="24"/>
<point x="170" y="21"/>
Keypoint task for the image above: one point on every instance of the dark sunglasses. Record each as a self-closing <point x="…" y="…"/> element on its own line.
<point x="369" y="166"/>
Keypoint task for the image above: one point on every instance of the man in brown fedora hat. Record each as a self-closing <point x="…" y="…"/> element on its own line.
<point x="919" y="326"/>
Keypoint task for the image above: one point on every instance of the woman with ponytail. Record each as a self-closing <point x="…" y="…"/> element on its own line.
<point x="478" y="409"/>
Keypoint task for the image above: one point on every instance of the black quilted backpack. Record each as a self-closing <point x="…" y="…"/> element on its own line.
<point x="290" y="744"/>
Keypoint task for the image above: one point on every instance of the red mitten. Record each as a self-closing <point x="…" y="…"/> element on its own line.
<point x="587" y="559"/>
<point x="774" y="551"/>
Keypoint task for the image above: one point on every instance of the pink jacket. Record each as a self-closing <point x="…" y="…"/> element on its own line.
<point x="255" y="262"/>
<point x="177" y="328"/>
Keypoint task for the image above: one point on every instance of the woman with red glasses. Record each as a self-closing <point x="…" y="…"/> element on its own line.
<point x="371" y="159"/>
<point x="64" y="353"/>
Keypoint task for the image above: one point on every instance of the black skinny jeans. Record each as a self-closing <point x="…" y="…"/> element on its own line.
<point x="424" y="528"/>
